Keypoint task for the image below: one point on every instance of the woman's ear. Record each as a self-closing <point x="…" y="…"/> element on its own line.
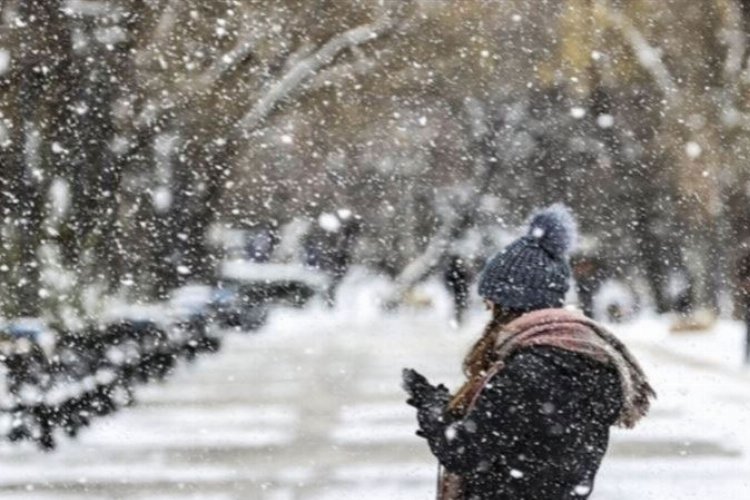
<point x="489" y="305"/>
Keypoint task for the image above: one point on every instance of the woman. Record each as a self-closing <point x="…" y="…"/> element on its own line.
<point x="543" y="384"/>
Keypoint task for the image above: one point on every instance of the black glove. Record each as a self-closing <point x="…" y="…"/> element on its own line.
<point x="430" y="401"/>
<point x="420" y="391"/>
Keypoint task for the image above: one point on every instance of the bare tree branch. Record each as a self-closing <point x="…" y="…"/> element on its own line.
<point x="309" y="66"/>
<point x="224" y="65"/>
<point x="299" y="70"/>
<point x="211" y="76"/>
<point x="733" y="37"/>
<point x="166" y="22"/>
<point x="648" y="56"/>
<point x="423" y="265"/>
<point x="457" y="210"/>
<point x="341" y="72"/>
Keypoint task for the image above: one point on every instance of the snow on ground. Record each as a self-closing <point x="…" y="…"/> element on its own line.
<point x="310" y="408"/>
<point x="696" y="443"/>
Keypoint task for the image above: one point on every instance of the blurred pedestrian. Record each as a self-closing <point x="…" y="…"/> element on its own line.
<point x="329" y="247"/>
<point x="589" y="273"/>
<point x="543" y="386"/>
<point x="456" y="277"/>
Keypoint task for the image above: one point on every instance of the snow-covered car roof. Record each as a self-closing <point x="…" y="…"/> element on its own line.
<point x="244" y="271"/>
<point x="22" y="331"/>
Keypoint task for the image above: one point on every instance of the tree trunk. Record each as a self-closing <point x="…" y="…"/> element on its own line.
<point x="39" y="60"/>
<point x="96" y="171"/>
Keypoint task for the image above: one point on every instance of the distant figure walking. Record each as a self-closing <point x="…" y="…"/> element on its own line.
<point x="456" y="276"/>
<point x="330" y="246"/>
<point x="543" y="386"/>
<point x="589" y="273"/>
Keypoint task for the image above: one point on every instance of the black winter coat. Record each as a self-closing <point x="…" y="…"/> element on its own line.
<point x="538" y="430"/>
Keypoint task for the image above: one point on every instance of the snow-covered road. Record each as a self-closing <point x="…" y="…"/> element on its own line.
<point x="311" y="408"/>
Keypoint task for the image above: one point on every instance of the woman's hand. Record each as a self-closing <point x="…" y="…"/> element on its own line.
<point x="430" y="401"/>
<point x="420" y="391"/>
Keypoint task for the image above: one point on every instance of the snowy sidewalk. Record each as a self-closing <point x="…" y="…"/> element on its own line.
<point x="311" y="408"/>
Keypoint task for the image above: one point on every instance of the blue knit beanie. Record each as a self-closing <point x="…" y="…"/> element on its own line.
<point x="533" y="272"/>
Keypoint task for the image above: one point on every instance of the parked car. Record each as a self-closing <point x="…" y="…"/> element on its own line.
<point x="248" y="289"/>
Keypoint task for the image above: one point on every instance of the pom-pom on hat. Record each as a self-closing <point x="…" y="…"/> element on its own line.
<point x="533" y="272"/>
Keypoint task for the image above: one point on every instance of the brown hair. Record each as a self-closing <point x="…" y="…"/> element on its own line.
<point x="481" y="357"/>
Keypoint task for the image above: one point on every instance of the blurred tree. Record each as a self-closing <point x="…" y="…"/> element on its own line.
<point x="32" y="114"/>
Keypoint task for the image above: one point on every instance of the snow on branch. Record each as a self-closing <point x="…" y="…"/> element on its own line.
<point x="225" y="64"/>
<point x="309" y="66"/>
<point x="648" y="56"/>
<point x="166" y="22"/>
<point x="342" y="72"/>
<point x="733" y="37"/>
<point x="222" y="67"/>
<point x="422" y="266"/>
<point x="457" y="209"/>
